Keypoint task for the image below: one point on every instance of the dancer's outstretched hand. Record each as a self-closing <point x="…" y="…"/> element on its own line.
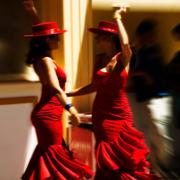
<point x="120" y="10"/>
<point x="28" y="4"/>
<point x="75" y="120"/>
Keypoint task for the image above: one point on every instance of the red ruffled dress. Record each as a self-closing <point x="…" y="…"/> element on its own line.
<point x="120" y="148"/>
<point x="51" y="159"/>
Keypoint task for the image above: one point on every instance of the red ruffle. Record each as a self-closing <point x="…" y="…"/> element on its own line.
<point x="124" y="157"/>
<point x="55" y="162"/>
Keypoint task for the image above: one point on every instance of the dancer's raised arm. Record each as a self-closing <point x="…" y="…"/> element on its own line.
<point x="29" y="6"/>
<point x="90" y="88"/>
<point x="123" y="36"/>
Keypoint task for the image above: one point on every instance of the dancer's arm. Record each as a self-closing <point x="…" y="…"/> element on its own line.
<point x="29" y="6"/>
<point x="123" y="36"/>
<point x="90" y="88"/>
<point x="47" y="74"/>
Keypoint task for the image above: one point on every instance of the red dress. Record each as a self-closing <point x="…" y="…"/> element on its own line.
<point x="120" y="148"/>
<point x="51" y="159"/>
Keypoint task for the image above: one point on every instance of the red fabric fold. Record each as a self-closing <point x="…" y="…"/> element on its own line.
<point x="51" y="159"/>
<point x="125" y="155"/>
<point x="55" y="162"/>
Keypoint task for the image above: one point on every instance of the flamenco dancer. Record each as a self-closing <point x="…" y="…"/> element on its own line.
<point x="120" y="148"/>
<point x="51" y="159"/>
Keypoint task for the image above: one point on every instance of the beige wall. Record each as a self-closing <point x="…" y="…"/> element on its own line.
<point x="78" y="49"/>
<point x="17" y="135"/>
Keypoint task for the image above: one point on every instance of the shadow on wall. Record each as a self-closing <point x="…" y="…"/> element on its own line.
<point x="15" y="23"/>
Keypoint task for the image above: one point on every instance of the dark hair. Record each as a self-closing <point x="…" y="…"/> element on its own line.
<point x="145" y="26"/>
<point x="38" y="46"/>
<point x="117" y="42"/>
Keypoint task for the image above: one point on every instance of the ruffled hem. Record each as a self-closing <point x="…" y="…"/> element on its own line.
<point x="124" y="157"/>
<point x="55" y="163"/>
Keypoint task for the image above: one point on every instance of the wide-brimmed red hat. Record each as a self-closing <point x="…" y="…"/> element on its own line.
<point x="45" y="29"/>
<point x="105" y="26"/>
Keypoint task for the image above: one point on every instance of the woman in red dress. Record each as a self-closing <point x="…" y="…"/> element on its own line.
<point x="120" y="149"/>
<point x="51" y="159"/>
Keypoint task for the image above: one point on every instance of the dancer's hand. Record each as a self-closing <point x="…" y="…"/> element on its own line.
<point x="28" y="5"/>
<point x="75" y="120"/>
<point x="121" y="10"/>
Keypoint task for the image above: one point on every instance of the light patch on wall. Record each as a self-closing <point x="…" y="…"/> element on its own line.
<point x="140" y="5"/>
<point x="30" y="74"/>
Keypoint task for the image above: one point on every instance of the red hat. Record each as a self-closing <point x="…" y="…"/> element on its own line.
<point x="45" y="29"/>
<point x="105" y="26"/>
